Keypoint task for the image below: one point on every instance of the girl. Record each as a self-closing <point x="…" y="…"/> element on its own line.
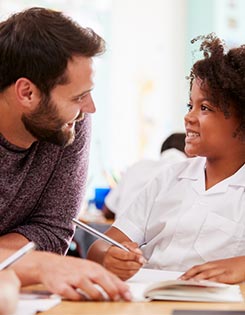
<point x="193" y="211"/>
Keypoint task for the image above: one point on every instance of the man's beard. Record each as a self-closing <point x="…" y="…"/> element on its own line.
<point x="45" y="124"/>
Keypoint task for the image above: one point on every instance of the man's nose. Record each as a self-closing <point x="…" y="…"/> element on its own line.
<point x="89" y="106"/>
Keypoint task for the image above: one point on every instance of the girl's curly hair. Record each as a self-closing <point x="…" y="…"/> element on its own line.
<point x="223" y="77"/>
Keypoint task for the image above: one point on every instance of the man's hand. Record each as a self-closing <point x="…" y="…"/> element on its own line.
<point x="231" y="270"/>
<point x="124" y="264"/>
<point x="67" y="276"/>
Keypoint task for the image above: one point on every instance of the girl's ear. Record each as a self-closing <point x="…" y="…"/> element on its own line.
<point x="27" y="94"/>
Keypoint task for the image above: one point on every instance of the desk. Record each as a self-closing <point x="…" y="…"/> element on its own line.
<point x="142" y="308"/>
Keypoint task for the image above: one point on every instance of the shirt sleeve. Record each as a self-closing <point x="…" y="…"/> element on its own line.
<point x="50" y="224"/>
<point x="133" y="222"/>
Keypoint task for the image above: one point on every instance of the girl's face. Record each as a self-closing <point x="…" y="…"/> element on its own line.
<point x="208" y="132"/>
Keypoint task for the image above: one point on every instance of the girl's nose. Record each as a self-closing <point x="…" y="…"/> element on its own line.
<point x="189" y="117"/>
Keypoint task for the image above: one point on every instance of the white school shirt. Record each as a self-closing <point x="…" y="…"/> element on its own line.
<point x="182" y="223"/>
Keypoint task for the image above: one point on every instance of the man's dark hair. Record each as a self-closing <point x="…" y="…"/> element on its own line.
<point x="176" y="141"/>
<point x="223" y="77"/>
<point x="38" y="43"/>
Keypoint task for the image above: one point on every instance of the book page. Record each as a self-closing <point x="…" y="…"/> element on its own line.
<point x="144" y="277"/>
<point x="154" y="275"/>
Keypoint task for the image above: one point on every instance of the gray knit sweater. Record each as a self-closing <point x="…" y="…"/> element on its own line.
<point x="41" y="189"/>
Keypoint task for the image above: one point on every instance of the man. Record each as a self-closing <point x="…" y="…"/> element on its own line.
<point x="45" y="85"/>
<point x="45" y="102"/>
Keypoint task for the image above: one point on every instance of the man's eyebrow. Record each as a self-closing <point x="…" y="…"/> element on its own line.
<point x="82" y="94"/>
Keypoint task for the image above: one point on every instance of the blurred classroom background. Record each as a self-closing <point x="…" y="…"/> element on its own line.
<point x="141" y="89"/>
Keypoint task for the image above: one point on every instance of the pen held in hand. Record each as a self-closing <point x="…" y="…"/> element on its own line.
<point x="17" y="255"/>
<point x="98" y="234"/>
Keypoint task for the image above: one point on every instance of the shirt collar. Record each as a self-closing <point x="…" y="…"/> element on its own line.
<point x="194" y="171"/>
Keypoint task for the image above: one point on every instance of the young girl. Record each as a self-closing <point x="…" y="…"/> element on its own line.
<point x="193" y="211"/>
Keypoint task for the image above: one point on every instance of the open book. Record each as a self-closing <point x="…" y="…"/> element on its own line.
<point x="146" y="286"/>
<point x="190" y="290"/>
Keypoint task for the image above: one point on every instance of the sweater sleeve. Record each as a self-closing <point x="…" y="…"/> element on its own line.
<point x="49" y="224"/>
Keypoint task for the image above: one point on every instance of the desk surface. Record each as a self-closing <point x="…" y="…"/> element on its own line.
<point x="142" y="308"/>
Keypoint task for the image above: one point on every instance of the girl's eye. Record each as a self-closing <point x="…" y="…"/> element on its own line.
<point x="189" y="107"/>
<point x="205" y="108"/>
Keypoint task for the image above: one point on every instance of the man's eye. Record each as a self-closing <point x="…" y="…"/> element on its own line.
<point x="82" y="97"/>
<point x="79" y="99"/>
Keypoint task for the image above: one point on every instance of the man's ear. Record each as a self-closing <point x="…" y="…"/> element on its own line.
<point x="27" y="94"/>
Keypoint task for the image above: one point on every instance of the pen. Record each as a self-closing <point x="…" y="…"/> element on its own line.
<point x="98" y="234"/>
<point x="17" y="255"/>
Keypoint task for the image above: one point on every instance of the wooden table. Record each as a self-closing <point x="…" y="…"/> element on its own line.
<point x="142" y="308"/>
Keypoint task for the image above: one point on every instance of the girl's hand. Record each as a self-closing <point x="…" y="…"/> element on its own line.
<point x="231" y="270"/>
<point x="124" y="264"/>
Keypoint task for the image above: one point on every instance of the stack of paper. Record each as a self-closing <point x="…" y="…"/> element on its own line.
<point x="32" y="303"/>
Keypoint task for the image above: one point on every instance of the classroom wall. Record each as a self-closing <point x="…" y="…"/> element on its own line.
<point x="146" y="82"/>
